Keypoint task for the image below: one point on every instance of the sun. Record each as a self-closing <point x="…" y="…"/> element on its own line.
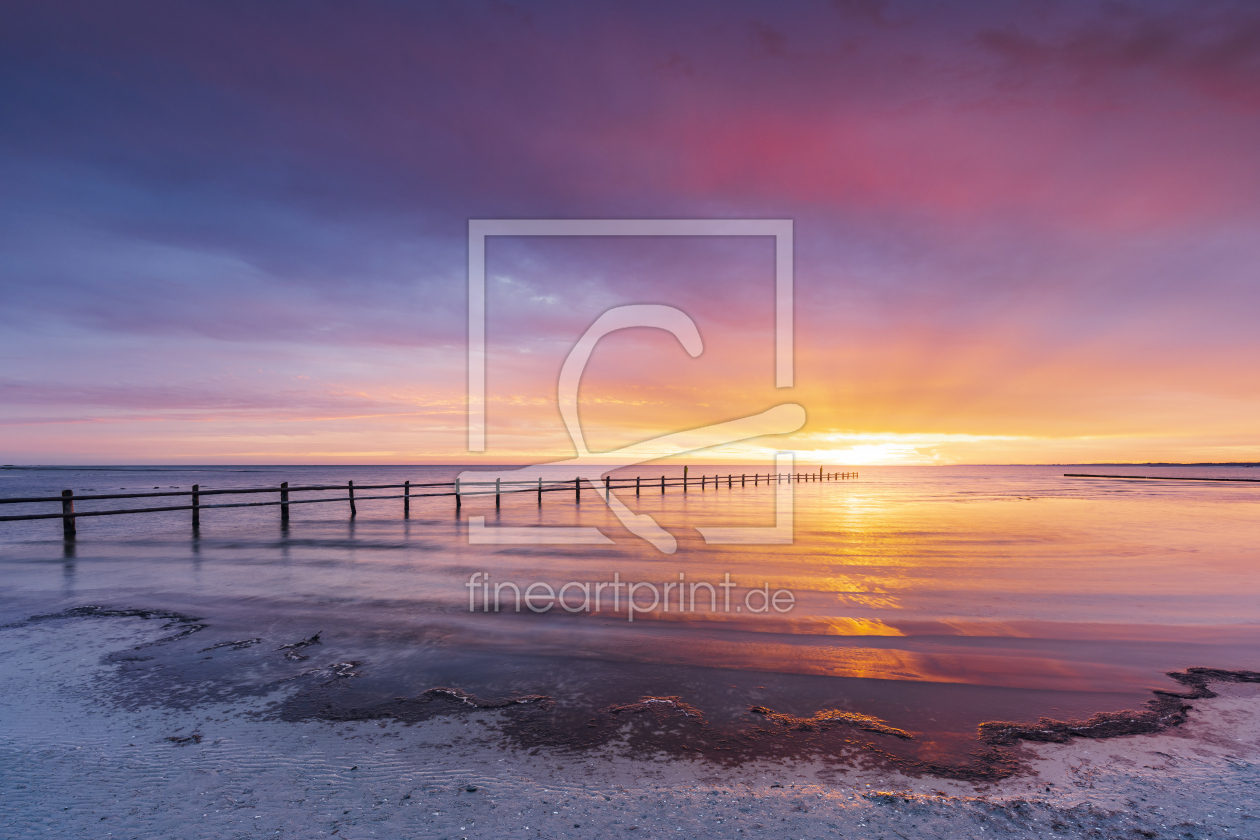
<point x="866" y="454"/>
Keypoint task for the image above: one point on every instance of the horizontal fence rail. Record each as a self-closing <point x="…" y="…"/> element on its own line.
<point x="458" y="489"/>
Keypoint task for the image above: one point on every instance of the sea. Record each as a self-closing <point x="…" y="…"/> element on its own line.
<point x="927" y="599"/>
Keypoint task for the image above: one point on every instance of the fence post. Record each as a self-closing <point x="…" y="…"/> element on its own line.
<point x="353" y="510"/>
<point x="406" y="500"/>
<point x="284" y="504"/>
<point x="496" y="493"/>
<point x="68" y="531"/>
<point x="457" y="499"/>
<point x="540" y="491"/>
<point x="196" y="504"/>
<point x="636" y="485"/>
<point x="662" y="485"/>
<point x="607" y="479"/>
<point x="577" y="490"/>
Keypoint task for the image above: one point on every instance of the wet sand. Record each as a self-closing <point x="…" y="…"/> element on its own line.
<point x="927" y="602"/>
<point x="80" y="760"/>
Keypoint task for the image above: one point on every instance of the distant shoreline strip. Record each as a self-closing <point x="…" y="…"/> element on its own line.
<point x="1158" y="477"/>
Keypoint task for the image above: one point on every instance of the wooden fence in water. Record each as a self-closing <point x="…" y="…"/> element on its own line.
<point x="498" y="488"/>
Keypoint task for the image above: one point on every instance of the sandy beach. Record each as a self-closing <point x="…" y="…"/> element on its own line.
<point x="81" y="760"/>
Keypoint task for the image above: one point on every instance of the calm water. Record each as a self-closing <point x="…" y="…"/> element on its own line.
<point x="933" y="598"/>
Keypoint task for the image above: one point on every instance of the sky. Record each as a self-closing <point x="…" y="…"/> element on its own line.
<point x="237" y="232"/>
